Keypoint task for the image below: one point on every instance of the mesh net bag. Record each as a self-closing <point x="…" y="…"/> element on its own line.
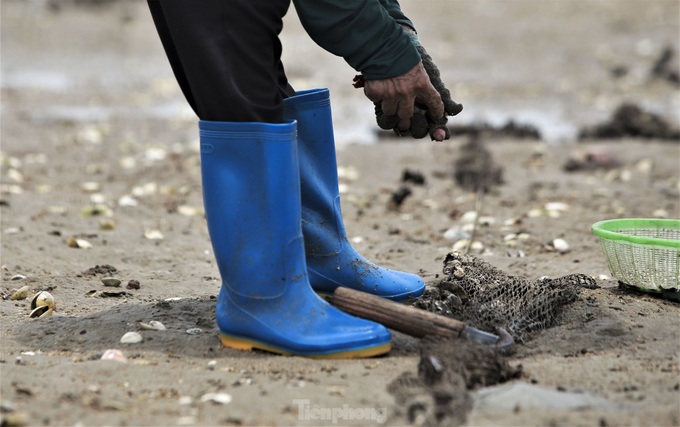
<point x="486" y="298"/>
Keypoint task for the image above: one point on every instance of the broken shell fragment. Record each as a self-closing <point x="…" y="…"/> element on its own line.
<point x="131" y="338"/>
<point x="111" y="281"/>
<point x="20" y="294"/>
<point x="42" y="311"/>
<point x="153" y="234"/>
<point x="220" y="398"/>
<point x="43" y="299"/>
<point x="153" y="325"/>
<point x="78" y="243"/>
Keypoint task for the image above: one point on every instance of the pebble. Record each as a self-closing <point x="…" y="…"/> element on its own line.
<point x="133" y="284"/>
<point x="111" y="281"/>
<point x="194" y="331"/>
<point x="131" y="338"/>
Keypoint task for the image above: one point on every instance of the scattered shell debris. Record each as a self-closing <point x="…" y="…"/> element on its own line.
<point x="153" y="325"/>
<point x="131" y="338"/>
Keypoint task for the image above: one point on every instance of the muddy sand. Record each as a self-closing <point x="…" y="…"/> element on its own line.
<point x="100" y="177"/>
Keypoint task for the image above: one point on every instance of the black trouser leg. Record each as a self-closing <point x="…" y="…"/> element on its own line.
<point x="226" y="56"/>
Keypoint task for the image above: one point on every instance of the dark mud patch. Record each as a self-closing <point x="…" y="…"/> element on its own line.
<point x="475" y="169"/>
<point x="630" y="120"/>
<point x="439" y="394"/>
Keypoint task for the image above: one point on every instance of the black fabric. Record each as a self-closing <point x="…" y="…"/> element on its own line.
<point x="226" y="56"/>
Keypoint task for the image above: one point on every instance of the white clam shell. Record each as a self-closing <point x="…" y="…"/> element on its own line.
<point x="41" y="299"/>
<point x="19" y="294"/>
<point x="115" y="355"/>
<point x="153" y="325"/>
<point x="131" y="338"/>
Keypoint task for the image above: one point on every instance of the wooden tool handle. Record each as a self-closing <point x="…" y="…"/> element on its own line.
<point x="409" y="320"/>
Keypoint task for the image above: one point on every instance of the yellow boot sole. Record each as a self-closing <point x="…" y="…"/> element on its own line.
<point x="246" y="344"/>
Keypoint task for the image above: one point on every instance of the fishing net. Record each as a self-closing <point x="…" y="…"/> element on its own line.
<point x="486" y="298"/>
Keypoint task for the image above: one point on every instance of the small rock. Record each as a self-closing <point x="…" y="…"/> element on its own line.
<point x="133" y="284"/>
<point x="131" y="338"/>
<point x="153" y="234"/>
<point x="111" y="281"/>
<point x="194" y="331"/>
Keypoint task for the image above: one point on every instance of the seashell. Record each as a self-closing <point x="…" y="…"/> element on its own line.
<point x="153" y="325"/>
<point x="90" y="187"/>
<point x="43" y="299"/>
<point x="42" y="311"/>
<point x="556" y="206"/>
<point x="111" y="281"/>
<point x="72" y="242"/>
<point x="131" y="338"/>
<point x="469" y="217"/>
<point x="194" y="331"/>
<point x="97" y="210"/>
<point x="561" y="246"/>
<point x="453" y="234"/>
<point x="107" y="224"/>
<point x="18" y="277"/>
<point x="20" y="294"/>
<point x="221" y="398"/>
<point x="128" y="201"/>
<point x="153" y="234"/>
<point x="115" y="355"/>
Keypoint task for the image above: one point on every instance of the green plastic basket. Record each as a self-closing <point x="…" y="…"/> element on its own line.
<point x="643" y="253"/>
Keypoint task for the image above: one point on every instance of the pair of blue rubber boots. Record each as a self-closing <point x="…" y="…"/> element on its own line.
<point x="273" y="211"/>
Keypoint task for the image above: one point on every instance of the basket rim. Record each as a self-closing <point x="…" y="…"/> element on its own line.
<point x="608" y="229"/>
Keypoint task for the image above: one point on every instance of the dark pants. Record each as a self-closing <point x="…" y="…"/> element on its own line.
<point x="226" y="56"/>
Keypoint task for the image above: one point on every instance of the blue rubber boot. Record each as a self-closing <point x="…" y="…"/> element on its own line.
<point x="331" y="259"/>
<point x="251" y="191"/>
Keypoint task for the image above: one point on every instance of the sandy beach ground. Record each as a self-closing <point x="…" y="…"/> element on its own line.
<point x="100" y="150"/>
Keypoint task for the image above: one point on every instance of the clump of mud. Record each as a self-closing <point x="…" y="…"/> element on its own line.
<point x="486" y="298"/>
<point x="439" y="394"/>
<point x="629" y="120"/>
<point x="511" y="129"/>
<point x="475" y="169"/>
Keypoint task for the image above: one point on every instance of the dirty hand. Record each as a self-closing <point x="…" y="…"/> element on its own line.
<point x="424" y="120"/>
<point x="396" y="99"/>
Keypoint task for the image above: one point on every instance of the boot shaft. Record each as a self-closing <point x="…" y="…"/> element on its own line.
<point x="251" y="193"/>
